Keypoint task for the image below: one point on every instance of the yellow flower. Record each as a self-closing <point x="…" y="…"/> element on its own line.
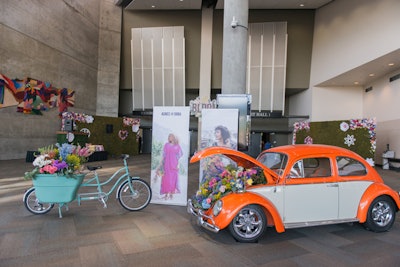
<point x="249" y="181"/>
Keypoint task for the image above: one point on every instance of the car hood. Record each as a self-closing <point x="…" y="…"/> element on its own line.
<point x="240" y="158"/>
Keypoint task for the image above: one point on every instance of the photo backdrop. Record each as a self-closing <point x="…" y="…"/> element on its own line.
<point x="169" y="158"/>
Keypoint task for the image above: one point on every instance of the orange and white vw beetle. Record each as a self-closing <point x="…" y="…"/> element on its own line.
<point x="306" y="185"/>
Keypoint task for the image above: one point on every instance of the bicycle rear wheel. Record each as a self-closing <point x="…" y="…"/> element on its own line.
<point x="137" y="199"/>
<point x="33" y="205"/>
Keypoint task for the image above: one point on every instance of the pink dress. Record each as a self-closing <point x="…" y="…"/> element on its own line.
<point x="169" y="182"/>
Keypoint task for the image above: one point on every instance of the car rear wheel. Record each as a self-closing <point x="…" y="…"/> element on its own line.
<point x="381" y="215"/>
<point x="249" y="224"/>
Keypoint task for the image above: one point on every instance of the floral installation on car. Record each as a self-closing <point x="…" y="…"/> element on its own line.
<point x="223" y="181"/>
<point x="65" y="159"/>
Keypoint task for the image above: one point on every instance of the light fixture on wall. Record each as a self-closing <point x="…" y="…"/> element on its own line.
<point x="235" y="24"/>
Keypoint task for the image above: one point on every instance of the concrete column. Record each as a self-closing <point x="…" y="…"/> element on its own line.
<point x="234" y="55"/>
<point x="109" y="58"/>
<point x="206" y="53"/>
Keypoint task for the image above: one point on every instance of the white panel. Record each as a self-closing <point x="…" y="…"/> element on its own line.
<point x="148" y="94"/>
<point x="268" y="34"/>
<point x="158" y="67"/>
<point x="256" y="32"/>
<point x="158" y="89"/>
<point x="267" y="52"/>
<point x="179" y="89"/>
<point x="279" y="89"/>
<point x="280" y="44"/>
<point x="169" y="94"/>
<point x="267" y="89"/>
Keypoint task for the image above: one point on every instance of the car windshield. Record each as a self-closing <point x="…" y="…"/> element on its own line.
<point x="273" y="160"/>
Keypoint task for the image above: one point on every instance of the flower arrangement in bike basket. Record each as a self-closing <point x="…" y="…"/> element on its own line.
<point x="224" y="181"/>
<point x="65" y="159"/>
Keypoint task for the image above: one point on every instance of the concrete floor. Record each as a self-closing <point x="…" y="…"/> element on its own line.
<point x="164" y="235"/>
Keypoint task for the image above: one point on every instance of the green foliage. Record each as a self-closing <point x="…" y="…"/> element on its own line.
<point x="114" y="145"/>
<point x="330" y="133"/>
<point x="156" y="154"/>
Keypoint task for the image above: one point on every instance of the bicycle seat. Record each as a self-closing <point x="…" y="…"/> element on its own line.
<point x="93" y="168"/>
<point x="124" y="156"/>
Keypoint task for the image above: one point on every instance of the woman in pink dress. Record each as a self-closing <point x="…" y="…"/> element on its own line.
<point x="171" y="155"/>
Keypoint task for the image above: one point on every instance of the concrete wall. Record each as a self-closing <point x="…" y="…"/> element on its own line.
<point x="382" y="102"/>
<point x="300" y="34"/>
<point x="348" y="34"/>
<point x="55" y="41"/>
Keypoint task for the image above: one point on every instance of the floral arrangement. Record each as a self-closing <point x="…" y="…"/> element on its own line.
<point x="64" y="159"/>
<point x="222" y="181"/>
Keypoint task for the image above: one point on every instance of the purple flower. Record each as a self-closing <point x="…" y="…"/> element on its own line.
<point x="60" y="165"/>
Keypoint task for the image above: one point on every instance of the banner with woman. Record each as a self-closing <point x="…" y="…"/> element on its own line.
<point x="170" y="153"/>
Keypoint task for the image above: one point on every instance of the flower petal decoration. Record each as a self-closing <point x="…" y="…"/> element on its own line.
<point x="344" y="126"/>
<point x="123" y="134"/>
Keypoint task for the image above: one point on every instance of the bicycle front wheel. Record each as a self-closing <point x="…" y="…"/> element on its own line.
<point x="34" y="205"/>
<point x="136" y="199"/>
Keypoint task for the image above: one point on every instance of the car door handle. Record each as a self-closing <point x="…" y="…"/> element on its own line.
<point x="332" y="185"/>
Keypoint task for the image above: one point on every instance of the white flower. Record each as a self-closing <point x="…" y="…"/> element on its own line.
<point x="344" y="126"/>
<point x="349" y="140"/>
<point x="41" y="161"/>
<point x="89" y="119"/>
<point x="370" y="161"/>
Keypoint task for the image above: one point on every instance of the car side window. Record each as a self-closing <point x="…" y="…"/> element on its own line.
<point x="350" y="167"/>
<point x="317" y="167"/>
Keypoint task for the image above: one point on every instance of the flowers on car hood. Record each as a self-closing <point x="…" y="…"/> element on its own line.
<point x="220" y="182"/>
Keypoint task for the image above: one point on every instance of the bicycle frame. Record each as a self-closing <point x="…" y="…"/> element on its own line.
<point x="120" y="178"/>
<point x="95" y="182"/>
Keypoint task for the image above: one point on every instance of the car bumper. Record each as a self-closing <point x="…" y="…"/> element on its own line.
<point x="202" y="219"/>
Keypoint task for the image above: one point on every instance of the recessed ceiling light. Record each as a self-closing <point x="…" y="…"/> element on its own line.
<point x="391" y="64"/>
<point x="371" y="75"/>
<point x="153" y="6"/>
<point x="301" y="5"/>
<point x="355" y="82"/>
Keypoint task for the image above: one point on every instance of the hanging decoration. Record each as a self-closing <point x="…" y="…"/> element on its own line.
<point x="32" y="96"/>
<point x="123" y="134"/>
<point x="76" y="117"/>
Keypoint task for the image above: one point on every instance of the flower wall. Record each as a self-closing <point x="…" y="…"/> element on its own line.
<point x="117" y="135"/>
<point x="358" y="135"/>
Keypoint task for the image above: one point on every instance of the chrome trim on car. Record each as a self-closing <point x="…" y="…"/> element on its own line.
<point x="202" y="218"/>
<point x="318" y="223"/>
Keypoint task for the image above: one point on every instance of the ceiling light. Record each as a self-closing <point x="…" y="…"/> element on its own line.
<point x="391" y="64"/>
<point x="371" y="75"/>
<point x="356" y="83"/>
<point x="301" y="5"/>
<point x="153" y="6"/>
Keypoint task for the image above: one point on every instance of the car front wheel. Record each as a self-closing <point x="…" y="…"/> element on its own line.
<point x="249" y="224"/>
<point x="381" y="214"/>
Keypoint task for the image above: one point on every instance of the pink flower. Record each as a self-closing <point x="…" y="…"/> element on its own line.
<point x="48" y="169"/>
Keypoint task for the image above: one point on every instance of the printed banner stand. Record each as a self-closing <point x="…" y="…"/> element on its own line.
<point x="169" y="157"/>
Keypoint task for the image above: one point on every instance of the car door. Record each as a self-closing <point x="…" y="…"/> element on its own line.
<point x="310" y="192"/>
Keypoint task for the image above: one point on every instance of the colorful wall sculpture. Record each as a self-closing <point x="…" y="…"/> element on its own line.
<point x="32" y="96"/>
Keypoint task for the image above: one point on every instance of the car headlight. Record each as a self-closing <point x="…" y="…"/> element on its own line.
<point x="217" y="207"/>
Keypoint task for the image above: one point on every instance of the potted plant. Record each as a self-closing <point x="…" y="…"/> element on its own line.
<point x="58" y="172"/>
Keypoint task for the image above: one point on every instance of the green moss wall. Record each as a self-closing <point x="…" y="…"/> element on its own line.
<point x="112" y="143"/>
